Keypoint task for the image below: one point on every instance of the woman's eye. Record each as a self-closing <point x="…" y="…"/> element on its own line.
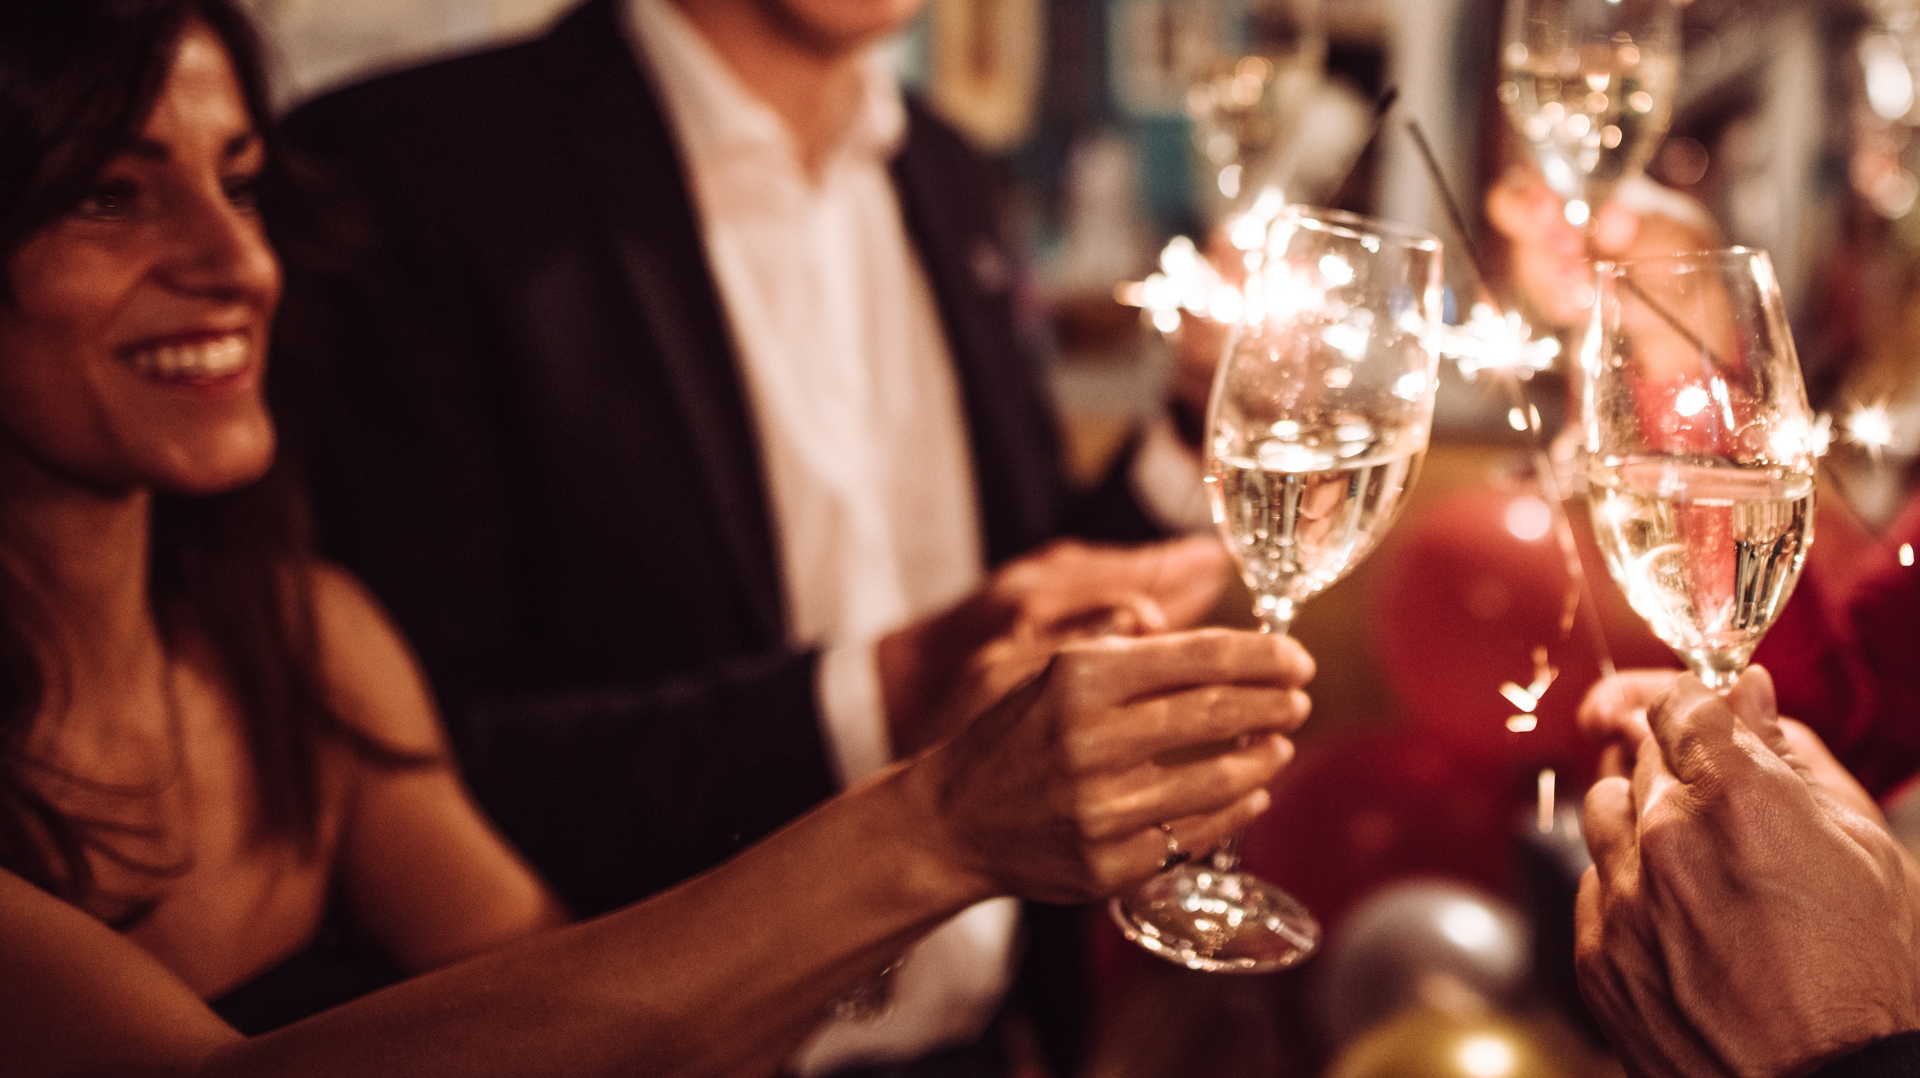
<point x="109" y="201"/>
<point x="244" y="191"/>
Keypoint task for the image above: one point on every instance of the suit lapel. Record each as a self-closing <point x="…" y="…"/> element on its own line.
<point x="971" y="273"/>
<point x="634" y="172"/>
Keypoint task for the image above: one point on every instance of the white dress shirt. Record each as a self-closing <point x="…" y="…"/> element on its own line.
<point x="863" y="443"/>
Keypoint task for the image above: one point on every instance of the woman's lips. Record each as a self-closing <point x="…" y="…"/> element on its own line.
<point x="195" y="359"/>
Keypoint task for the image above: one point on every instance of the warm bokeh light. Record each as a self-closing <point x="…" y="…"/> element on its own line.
<point x="1870" y="426"/>
<point x="1485" y="1056"/>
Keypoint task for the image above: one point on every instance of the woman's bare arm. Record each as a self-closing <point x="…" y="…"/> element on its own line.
<point x="424" y="874"/>
<point x="1053" y="793"/>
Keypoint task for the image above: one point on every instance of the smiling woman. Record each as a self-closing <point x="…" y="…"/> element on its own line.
<point x="212" y="744"/>
<point x="139" y="321"/>
<point x="134" y="312"/>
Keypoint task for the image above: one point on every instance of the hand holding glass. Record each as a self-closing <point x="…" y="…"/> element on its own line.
<point x="1700" y="450"/>
<point x="1320" y="415"/>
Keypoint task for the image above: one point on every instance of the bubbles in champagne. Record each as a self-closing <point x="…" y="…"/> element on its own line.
<point x="1303" y="507"/>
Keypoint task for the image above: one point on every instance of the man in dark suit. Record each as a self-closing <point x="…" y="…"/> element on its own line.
<point x="541" y="441"/>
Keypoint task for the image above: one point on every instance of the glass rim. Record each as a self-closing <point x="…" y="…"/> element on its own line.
<point x="1356" y="225"/>
<point x="1616" y="267"/>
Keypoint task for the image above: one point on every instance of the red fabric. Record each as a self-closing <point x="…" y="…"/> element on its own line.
<point x="1463" y="607"/>
<point x="1465" y="602"/>
<point x="1364" y="808"/>
<point x="1845" y="656"/>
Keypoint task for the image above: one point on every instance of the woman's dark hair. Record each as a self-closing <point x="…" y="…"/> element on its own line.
<point x="78" y="79"/>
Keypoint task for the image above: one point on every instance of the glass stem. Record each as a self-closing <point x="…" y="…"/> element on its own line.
<point x="1276" y="618"/>
<point x="1716" y="672"/>
<point x="1226" y="856"/>
<point x="1276" y="614"/>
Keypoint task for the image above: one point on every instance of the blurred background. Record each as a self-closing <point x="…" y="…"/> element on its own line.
<point x="1431" y="819"/>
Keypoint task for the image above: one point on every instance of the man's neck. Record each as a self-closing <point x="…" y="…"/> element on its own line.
<point x="813" y="87"/>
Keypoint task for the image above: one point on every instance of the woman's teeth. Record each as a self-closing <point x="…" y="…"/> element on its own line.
<point x="213" y="358"/>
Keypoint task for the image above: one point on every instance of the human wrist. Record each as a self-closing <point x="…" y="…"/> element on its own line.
<point x="938" y="864"/>
<point x="897" y="664"/>
<point x="916" y="665"/>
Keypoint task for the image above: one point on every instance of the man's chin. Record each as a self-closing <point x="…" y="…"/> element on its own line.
<point x="835" y="29"/>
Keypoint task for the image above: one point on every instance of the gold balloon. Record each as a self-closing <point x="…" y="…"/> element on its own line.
<point x="1430" y="1044"/>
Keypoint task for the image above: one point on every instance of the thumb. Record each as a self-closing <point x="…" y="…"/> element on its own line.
<point x="1752" y="698"/>
<point x="1697" y="735"/>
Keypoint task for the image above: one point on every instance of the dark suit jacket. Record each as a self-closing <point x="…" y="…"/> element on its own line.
<point x="532" y="443"/>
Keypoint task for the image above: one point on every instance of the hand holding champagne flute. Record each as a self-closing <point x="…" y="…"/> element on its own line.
<point x="1700" y="449"/>
<point x="1320" y="415"/>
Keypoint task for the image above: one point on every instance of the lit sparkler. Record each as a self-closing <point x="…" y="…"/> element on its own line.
<point x="1189" y="285"/>
<point x="1822" y="435"/>
<point x="1527" y="697"/>
<point x="1870" y="426"/>
<point x="1492" y="341"/>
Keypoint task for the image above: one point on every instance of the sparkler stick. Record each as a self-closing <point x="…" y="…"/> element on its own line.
<point x="1672" y="320"/>
<point x="1380" y="109"/>
<point x="1582" y="588"/>
<point x="1452" y="205"/>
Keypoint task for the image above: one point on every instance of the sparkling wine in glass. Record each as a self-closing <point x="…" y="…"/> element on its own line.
<point x="1590" y="84"/>
<point x="1700" y="450"/>
<point x="1320" y="415"/>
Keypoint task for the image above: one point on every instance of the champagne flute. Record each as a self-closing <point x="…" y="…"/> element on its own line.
<point x="1320" y="415"/>
<point x="1700" y="450"/>
<point x="1244" y="106"/>
<point x="1590" y="84"/>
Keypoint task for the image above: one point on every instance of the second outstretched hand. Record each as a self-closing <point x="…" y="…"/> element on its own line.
<point x="1740" y="919"/>
<point x="1064" y="590"/>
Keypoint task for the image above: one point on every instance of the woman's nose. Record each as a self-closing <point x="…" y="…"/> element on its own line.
<point x="220" y="248"/>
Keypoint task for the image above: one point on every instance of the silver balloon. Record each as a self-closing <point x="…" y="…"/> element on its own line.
<point x="1423" y="942"/>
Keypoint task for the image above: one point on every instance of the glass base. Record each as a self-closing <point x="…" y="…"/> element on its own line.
<point x="1220" y="922"/>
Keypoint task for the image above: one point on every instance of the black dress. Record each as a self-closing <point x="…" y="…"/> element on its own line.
<point x="334" y="968"/>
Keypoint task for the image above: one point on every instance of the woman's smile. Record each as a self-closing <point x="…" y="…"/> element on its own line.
<point x="206" y="358"/>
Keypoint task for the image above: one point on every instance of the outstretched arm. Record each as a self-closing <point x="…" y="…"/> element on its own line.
<point x="1053" y="793"/>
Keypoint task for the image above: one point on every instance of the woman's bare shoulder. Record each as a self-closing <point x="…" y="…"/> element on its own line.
<point x="370" y="674"/>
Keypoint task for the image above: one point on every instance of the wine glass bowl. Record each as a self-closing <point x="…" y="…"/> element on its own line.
<point x="1589" y="84"/>
<point x="1320" y="413"/>
<point x="1700" y="450"/>
<point x="1322" y="406"/>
